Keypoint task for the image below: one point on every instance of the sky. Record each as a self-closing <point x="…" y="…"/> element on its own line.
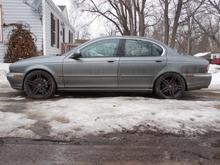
<point x="96" y="28"/>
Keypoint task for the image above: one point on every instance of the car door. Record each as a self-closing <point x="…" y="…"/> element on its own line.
<point x="97" y="67"/>
<point x="140" y="63"/>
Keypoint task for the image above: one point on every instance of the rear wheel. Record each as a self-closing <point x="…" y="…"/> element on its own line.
<point x="39" y="85"/>
<point x="169" y="86"/>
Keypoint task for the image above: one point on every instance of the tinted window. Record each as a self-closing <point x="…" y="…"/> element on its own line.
<point x="105" y="48"/>
<point x="156" y="50"/>
<point x="136" y="48"/>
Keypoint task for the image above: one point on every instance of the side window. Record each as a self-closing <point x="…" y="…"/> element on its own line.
<point x="136" y="48"/>
<point x="156" y="50"/>
<point x="106" y="48"/>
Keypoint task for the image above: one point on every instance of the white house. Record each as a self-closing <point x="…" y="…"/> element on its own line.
<point x="48" y="22"/>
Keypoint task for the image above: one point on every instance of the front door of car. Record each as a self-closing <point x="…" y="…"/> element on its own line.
<point x="140" y="63"/>
<point x="96" y="68"/>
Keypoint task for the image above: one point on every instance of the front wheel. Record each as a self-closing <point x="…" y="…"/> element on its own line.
<point x="39" y="85"/>
<point x="169" y="86"/>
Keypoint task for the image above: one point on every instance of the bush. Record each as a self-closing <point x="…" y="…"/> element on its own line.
<point x="21" y="44"/>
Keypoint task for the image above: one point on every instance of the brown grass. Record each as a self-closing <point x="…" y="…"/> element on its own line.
<point x="61" y="119"/>
<point x="217" y="106"/>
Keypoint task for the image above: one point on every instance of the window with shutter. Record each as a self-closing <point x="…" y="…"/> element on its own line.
<point x="58" y="33"/>
<point x="53" y="30"/>
<point x="64" y="35"/>
<point x="70" y="37"/>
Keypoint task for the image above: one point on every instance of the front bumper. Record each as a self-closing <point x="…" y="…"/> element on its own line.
<point x="16" y="80"/>
<point x="198" y="81"/>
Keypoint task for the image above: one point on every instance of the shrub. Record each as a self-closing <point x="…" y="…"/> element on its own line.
<point x="21" y="44"/>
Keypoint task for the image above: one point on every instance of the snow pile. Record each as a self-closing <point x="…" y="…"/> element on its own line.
<point x="4" y="69"/>
<point x="15" y="125"/>
<point x="215" y="70"/>
<point x="79" y="117"/>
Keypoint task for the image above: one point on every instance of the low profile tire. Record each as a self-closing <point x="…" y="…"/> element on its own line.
<point x="169" y="86"/>
<point x="39" y="85"/>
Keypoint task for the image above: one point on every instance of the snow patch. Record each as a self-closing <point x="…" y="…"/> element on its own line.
<point x="104" y="115"/>
<point x="215" y="70"/>
<point x="15" y="125"/>
<point x="4" y="69"/>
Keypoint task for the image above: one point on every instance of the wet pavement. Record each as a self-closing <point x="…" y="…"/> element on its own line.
<point x="114" y="149"/>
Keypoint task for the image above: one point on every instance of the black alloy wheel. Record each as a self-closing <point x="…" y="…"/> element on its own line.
<point x="39" y="85"/>
<point x="170" y="86"/>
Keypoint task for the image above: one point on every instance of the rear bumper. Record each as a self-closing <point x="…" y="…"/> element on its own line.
<point x="198" y="81"/>
<point x="16" y="80"/>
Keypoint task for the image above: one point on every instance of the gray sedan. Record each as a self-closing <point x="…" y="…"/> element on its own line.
<point x="112" y="64"/>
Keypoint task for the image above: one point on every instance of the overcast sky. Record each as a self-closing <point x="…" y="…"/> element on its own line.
<point x="95" y="29"/>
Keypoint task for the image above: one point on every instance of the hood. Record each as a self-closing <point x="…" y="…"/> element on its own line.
<point x="41" y="59"/>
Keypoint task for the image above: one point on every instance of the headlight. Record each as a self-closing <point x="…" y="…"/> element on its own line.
<point x="15" y="76"/>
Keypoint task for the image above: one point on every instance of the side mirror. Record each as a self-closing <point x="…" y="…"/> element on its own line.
<point x="77" y="55"/>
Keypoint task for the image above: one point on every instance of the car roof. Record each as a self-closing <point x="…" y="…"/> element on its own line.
<point x="132" y="37"/>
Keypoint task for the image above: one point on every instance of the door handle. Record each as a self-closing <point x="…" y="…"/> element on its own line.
<point x="158" y="61"/>
<point x="111" y="61"/>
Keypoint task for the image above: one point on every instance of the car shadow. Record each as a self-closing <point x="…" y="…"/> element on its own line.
<point x="199" y="95"/>
<point x="96" y="94"/>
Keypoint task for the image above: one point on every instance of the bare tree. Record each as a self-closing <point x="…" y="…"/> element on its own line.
<point x="79" y="21"/>
<point x="128" y="16"/>
<point x="174" y="16"/>
<point x="188" y="29"/>
<point x="208" y="21"/>
<point x="165" y="4"/>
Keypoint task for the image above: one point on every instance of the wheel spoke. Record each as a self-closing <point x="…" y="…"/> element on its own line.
<point x="164" y="90"/>
<point x="171" y="92"/>
<point x="173" y="80"/>
<point x="44" y="91"/>
<point x="38" y="75"/>
<point x="178" y="87"/>
<point x="165" y="82"/>
<point x="31" y="83"/>
<point x="36" y="90"/>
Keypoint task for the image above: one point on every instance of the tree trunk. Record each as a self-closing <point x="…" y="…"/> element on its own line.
<point x="141" y="24"/>
<point x="176" y="23"/>
<point x="166" y="22"/>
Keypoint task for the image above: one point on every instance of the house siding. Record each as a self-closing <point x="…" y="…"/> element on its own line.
<point x="48" y="9"/>
<point x="15" y="11"/>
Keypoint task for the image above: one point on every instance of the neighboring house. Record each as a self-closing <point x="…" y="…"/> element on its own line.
<point x="215" y="55"/>
<point x="49" y="24"/>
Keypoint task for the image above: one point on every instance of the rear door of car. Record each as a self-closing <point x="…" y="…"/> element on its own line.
<point x="97" y="68"/>
<point x="140" y="63"/>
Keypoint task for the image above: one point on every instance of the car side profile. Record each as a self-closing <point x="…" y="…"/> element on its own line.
<point x="112" y="64"/>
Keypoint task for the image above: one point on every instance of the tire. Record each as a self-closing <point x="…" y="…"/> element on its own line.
<point x="39" y="85"/>
<point x="170" y="86"/>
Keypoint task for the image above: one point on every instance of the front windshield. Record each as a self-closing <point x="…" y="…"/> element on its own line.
<point x="71" y="51"/>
